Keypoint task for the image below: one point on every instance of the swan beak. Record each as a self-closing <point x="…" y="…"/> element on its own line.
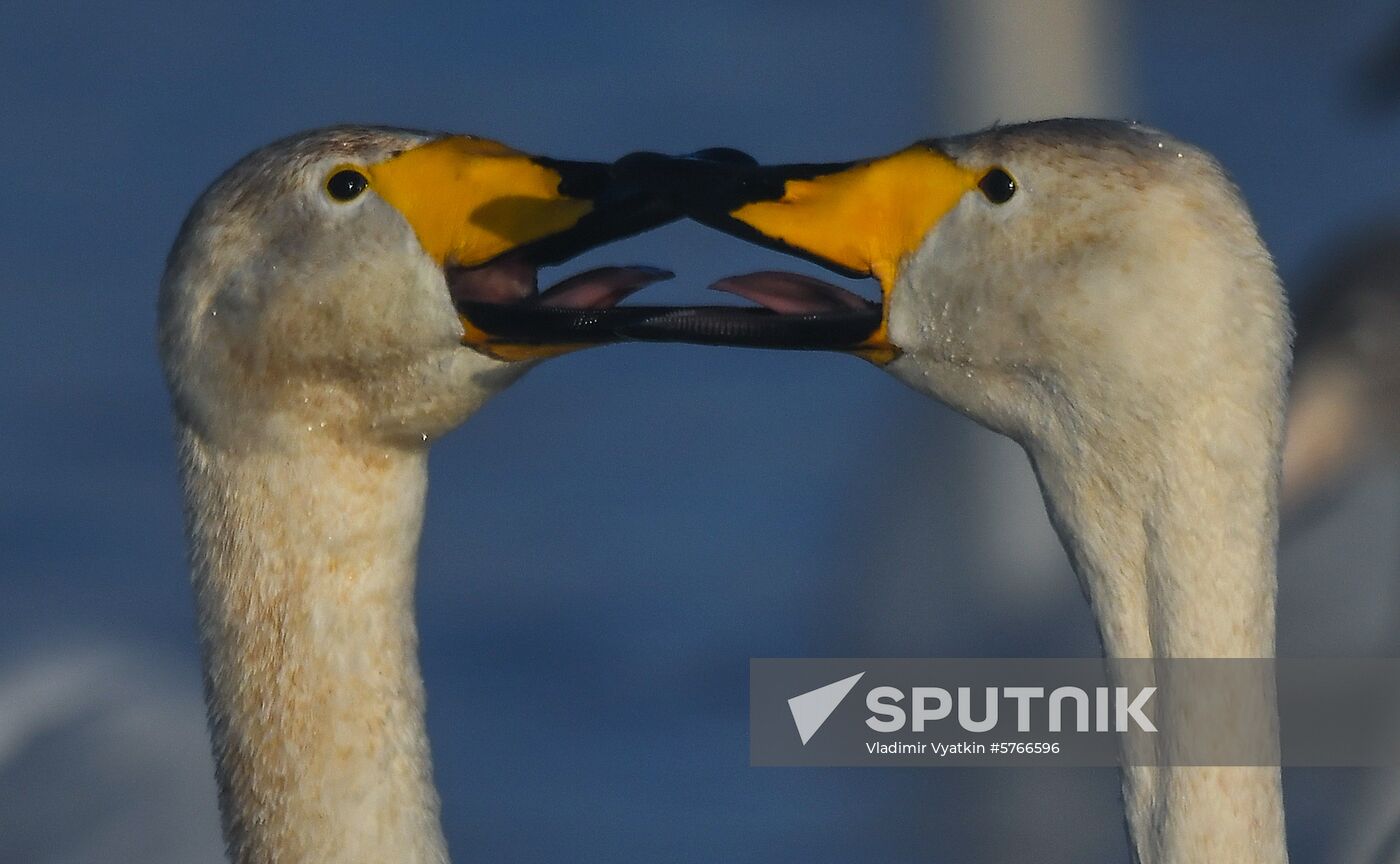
<point x="491" y="216"/>
<point x="859" y="219"/>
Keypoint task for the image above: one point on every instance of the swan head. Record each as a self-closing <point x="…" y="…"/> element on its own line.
<point x="381" y="283"/>
<point x="1045" y="278"/>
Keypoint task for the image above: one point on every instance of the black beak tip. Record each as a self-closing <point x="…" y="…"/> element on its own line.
<point x="706" y="184"/>
<point x="587" y="180"/>
<point x="621" y="208"/>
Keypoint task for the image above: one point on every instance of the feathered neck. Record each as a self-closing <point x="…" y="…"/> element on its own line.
<point x="304" y="563"/>
<point x="1172" y="528"/>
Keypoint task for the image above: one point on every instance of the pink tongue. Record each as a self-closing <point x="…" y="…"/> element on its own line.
<point x="792" y="293"/>
<point x="506" y="281"/>
<point x="603" y="288"/>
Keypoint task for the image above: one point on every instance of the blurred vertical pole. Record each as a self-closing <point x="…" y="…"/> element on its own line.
<point x="1004" y="62"/>
<point x="1010" y="60"/>
<point x="961" y="505"/>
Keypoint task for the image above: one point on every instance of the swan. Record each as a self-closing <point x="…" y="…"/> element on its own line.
<point x="333" y="303"/>
<point x="1098" y="292"/>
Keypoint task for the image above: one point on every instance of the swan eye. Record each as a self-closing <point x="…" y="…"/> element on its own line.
<point x="997" y="185"/>
<point x="346" y="184"/>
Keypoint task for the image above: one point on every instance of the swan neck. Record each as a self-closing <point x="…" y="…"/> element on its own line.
<point x="1176" y="553"/>
<point x="304" y="558"/>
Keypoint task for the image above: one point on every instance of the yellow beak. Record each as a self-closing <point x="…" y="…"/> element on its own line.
<point x="470" y="200"/>
<point x="491" y="215"/>
<point x="866" y="217"/>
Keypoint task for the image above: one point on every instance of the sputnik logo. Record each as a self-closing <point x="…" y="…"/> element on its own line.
<point x="811" y="709"/>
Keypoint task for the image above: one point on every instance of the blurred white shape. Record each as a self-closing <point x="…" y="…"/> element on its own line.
<point x="1326" y="420"/>
<point x="1346" y="365"/>
<point x="1011" y="60"/>
<point x="104" y="757"/>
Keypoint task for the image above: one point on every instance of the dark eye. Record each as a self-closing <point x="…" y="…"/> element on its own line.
<point x="997" y="185"/>
<point x="346" y="184"/>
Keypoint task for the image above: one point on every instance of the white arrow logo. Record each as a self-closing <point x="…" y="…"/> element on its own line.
<point x="810" y="710"/>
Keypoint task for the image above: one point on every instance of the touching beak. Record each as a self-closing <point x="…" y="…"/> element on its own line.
<point x="859" y="219"/>
<point x="491" y="216"/>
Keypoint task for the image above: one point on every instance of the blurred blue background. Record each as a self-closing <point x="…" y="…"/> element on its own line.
<point x="610" y="541"/>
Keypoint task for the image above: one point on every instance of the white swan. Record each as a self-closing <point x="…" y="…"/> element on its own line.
<point x="1098" y="292"/>
<point x="312" y="348"/>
